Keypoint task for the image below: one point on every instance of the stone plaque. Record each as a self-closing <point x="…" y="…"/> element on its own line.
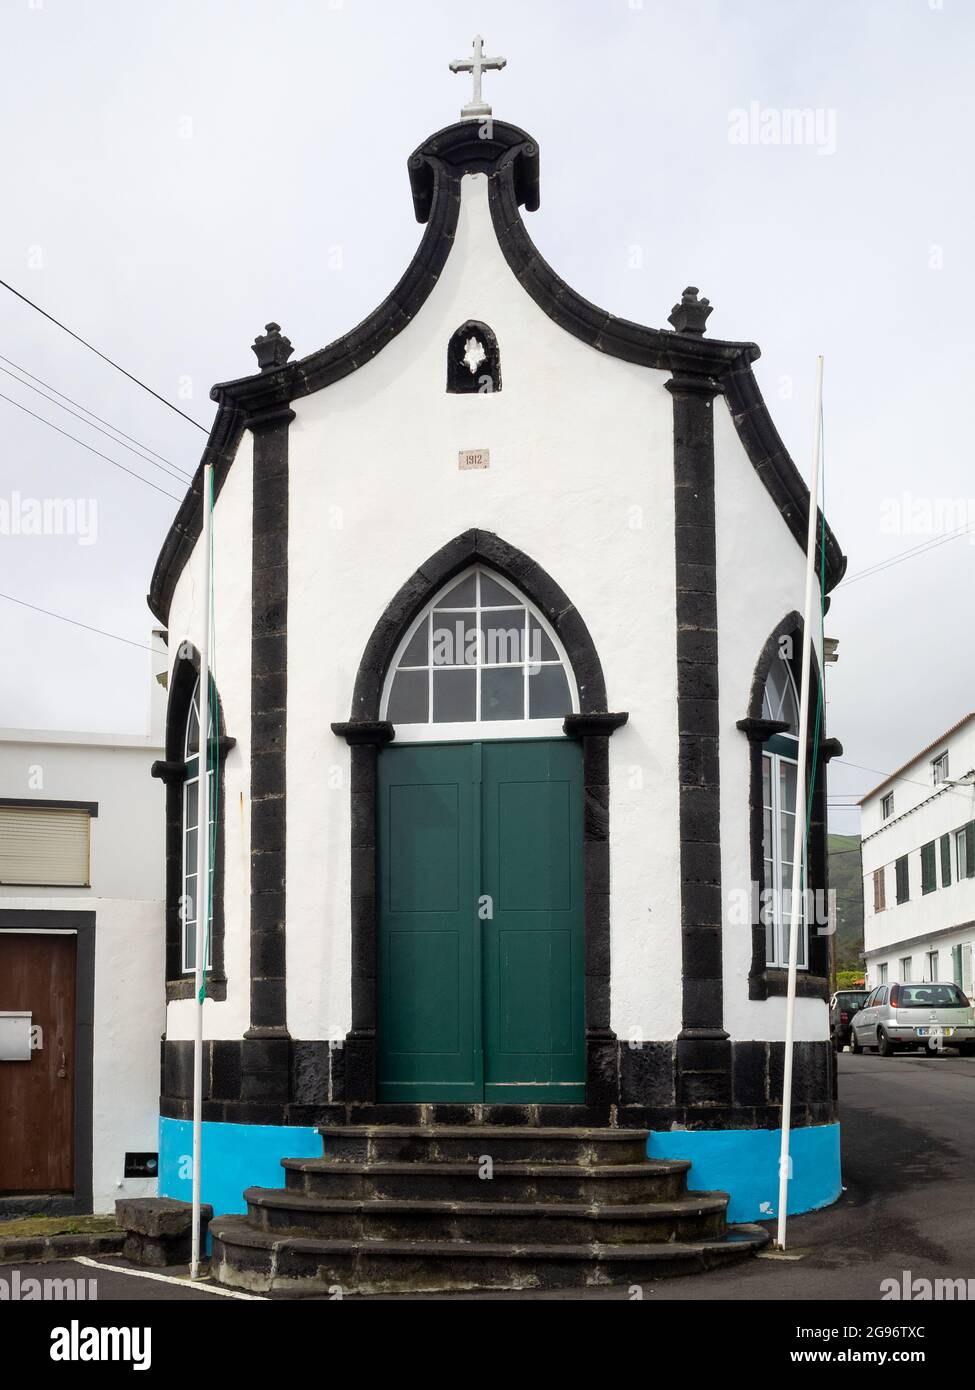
<point x="473" y="458"/>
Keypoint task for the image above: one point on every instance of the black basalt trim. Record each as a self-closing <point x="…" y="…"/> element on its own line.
<point x="475" y="147"/>
<point x="584" y="725"/>
<point x="221" y="450"/>
<point x="773" y="464"/>
<point x="269" y="722"/>
<point x="509" y="158"/>
<point x="172" y="772"/>
<point x="366" y="733"/>
<point x="699" y="792"/>
<point x="758" y="730"/>
<point x="464" y="550"/>
<point x="763" y="981"/>
<point x="734" y="1085"/>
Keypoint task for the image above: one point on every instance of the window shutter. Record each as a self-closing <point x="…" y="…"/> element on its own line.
<point x="956" y="964"/>
<point x="929" y="878"/>
<point x="970" y="849"/>
<point x="44" y="846"/>
<point x="946" y="861"/>
<point x="903" y="881"/>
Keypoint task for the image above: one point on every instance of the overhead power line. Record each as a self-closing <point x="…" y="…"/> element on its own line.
<point x="75" y="623"/>
<point x="91" y="348"/>
<point x="41" y="382"/>
<point x="114" y="462"/>
<point x="177" y="477"/>
<point x="921" y="549"/>
<point x="948" y="785"/>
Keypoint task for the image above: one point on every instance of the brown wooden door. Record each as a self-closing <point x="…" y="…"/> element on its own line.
<point x="37" y="972"/>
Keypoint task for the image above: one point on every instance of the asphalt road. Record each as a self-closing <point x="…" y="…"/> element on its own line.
<point x="908" y="1140"/>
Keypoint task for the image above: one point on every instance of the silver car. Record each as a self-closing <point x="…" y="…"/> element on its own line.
<point x="900" y="1016"/>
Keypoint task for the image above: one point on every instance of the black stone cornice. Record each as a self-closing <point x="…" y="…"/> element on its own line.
<point x="773" y="464"/>
<point x="475" y="147"/>
<point x="220" y="450"/>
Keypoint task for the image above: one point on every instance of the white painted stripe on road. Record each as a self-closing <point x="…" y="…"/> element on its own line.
<point x="167" y="1279"/>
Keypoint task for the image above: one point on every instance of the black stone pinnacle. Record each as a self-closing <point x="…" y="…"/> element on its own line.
<point x="691" y="314"/>
<point x="271" y="348"/>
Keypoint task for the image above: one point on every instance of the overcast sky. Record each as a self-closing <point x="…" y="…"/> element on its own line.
<point x="179" y="172"/>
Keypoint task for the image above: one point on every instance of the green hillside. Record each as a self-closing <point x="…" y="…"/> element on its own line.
<point x="846" y="876"/>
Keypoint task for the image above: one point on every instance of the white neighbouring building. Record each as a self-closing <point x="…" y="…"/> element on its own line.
<point x="81" y="952"/>
<point x="918" y="848"/>
<point x="490" y="450"/>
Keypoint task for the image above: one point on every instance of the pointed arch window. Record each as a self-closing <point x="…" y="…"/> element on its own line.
<point x="780" y="762"/>
<point x="191" y="782"/>
<point x="479" y="661"/>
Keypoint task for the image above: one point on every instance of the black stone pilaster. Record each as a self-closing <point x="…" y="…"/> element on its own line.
<point x="365" y="738"/>
<point x="703" y="1054"/>
<point x="266" y="1074"/>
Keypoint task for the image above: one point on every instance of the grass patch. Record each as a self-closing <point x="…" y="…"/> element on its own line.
<point x="21" y="1226"/>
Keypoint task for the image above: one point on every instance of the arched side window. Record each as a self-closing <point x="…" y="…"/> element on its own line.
<point x="473" y="359"/>
<point x="780" y="703"/>
<point x="480" y="661"/>
<point x="180" y="771"/>
<point x="191" y="789"/>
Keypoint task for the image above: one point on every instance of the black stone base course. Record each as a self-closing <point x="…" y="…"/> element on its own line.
<point x="689" y="1083"/>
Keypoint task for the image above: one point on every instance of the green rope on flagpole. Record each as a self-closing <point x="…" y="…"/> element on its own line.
<point x="212" y="745"/>
<point x="817" y="726"/>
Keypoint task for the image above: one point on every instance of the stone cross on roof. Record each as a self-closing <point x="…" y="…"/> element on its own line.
<point x="477" y="106"/>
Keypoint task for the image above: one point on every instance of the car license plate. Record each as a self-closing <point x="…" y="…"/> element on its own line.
<point x="926" y="1032"/>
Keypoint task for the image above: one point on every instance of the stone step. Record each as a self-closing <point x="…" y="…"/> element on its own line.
<point x="620" y="1183"/>
<point x="299" y="1266"/>
<point x="459" y="1143"/>
<point x="696" y="1216"/>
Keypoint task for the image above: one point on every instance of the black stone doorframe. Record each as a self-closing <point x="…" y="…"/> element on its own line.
<point x="366" y="734"/>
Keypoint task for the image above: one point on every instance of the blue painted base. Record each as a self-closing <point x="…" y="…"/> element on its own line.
<point x="745" y="1163"/>
<point x="232" y="1157"/>
<point x="742" y="1162"/>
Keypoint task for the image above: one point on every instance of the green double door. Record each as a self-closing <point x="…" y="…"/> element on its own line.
<point x="480" y="904"/>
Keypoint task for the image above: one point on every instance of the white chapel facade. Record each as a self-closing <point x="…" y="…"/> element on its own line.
<point x="505" y="592"/>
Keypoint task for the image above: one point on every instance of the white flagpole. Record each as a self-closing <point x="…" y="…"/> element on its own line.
<point x="202" y="870"/>
<point x="799" y="837"/>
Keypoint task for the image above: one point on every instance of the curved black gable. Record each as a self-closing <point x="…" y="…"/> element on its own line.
<point x="510" y="159"/>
